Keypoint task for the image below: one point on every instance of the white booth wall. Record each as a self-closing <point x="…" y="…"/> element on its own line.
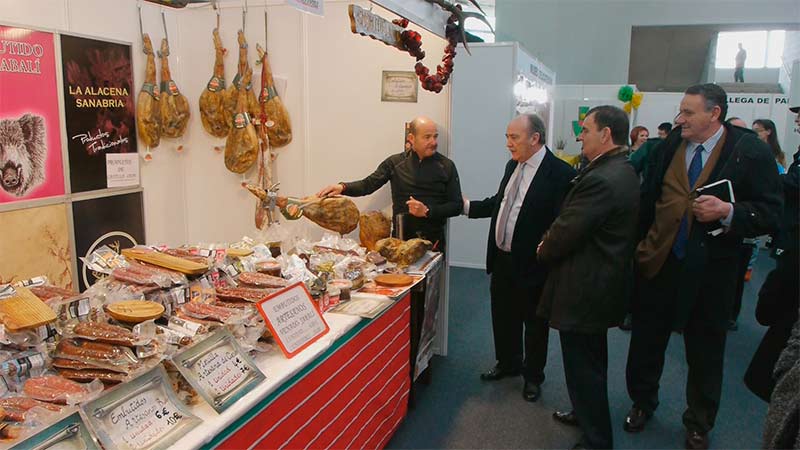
<point x="341" y="128"/>
<point x="658" y="107"/>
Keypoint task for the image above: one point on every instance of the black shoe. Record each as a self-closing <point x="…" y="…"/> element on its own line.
<point x="497" y="373"/>
<point x="636" y="420"/>
<point x="732" y="325"/>
<point x="696" y="440"/>
<point x="566" y="417"/>
<point x="531" y="391"/>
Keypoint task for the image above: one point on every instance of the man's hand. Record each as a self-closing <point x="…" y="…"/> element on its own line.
<point x="539" y="247"/>
<point x="416" y="208"/>
<point x="708" y="208"/>
<point x="334" y="189"/>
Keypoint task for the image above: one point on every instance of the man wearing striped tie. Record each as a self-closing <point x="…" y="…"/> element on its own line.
<point x="529" y="198"/>
<point x="687" y="258"/>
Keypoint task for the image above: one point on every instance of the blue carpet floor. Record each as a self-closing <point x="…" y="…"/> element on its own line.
<point x="458" y="410"/>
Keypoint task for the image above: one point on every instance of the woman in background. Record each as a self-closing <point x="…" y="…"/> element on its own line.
<point x="766" y="131"/>
<point x="639" y="135"/>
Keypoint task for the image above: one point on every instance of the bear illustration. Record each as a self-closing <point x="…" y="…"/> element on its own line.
<point x="22" y="154"/>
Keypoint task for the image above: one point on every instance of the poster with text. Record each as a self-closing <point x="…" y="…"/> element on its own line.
<point x="98" y="107"/>
<point x="116" y="221"/>
<point x="30" y="131"/>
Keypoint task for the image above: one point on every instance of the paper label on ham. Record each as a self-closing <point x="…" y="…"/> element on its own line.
<point x="241" y="120"/>
<point x="215" y="84"/>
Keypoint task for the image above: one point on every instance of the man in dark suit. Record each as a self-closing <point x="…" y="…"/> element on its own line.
<point x="525" y="204"/>
<point x="779" y="297"/>
<point x="687" y="258"/>
<point x="588" y="251"/>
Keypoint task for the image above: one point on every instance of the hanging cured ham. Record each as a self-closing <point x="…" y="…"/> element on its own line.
<point x="232" y="92"/>
<point x="212" y="101"/>
<point x="241" y="148"/>
<point x="148" y="111"/>
<point x="276" y="117"/>
<point x="174" y="106"/>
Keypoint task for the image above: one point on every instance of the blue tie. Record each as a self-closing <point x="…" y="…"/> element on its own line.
<point x="696" y="166"/>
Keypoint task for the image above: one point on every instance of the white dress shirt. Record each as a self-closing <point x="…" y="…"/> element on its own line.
<point x="708" y="147"/>
<point x="527" y="170"/>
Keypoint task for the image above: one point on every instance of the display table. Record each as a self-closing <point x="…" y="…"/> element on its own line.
<point x="347" y="390"/>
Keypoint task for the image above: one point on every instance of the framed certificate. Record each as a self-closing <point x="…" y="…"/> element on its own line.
<point x="399" y="87"/>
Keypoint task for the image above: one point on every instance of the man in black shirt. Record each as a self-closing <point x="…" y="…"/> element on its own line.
<point x="424" y="183"/>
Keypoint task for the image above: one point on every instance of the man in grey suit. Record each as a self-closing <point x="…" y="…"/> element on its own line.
<point x="589" y="251"/>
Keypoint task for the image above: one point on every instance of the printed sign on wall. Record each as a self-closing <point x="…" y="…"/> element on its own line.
<point x="98" y="107"/>
<point x="30" y="136"/>
<point x="34" y="242"/>
<point x="115" y="221"/>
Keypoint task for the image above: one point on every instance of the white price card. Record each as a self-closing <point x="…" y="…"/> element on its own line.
<point x="142" y="414"/>
<point x="218" y="369"/>
<point x="293" y="319"/>
<point x="122" y="169"/>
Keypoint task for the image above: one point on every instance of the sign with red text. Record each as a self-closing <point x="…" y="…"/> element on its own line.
<point x="293" y="319"/>
<point x="219" y="370"/>
<point x="30" y="130"/>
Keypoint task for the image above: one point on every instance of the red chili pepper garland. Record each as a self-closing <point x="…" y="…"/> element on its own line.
<point x="413" y="44"/>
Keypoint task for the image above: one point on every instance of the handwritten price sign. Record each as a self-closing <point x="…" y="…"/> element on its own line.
<point x="219" y="370"/>
<point x="141" y="414"/>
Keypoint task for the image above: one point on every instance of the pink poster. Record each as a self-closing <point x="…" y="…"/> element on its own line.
<point x="30" y="136"/>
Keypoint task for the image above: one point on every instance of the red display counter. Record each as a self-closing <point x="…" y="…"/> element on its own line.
<point x="354" y="395"/>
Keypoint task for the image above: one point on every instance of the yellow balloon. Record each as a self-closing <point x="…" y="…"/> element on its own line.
<point x="627" y="107"/>
<point x="637" y="99"/>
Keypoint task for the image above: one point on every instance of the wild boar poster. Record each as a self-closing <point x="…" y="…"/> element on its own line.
<point x="30" y="131"/>
<point x="98" y="107"/>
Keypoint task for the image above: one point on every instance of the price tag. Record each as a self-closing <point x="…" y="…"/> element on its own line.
<point x="35" y="281"/>
<point x="141" y="414"/>
<point x="219" y="370"/>
<point x="293" y="319"/>
<point x="69" y="432"/>
<point x="76" y="309"/>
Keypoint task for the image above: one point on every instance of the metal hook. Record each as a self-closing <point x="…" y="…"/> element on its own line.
<point x="164" y="22"/>
<point x="141" y="28"/>
<point x="215" y="5"/>
<point x="266" y="27"/>
<point x="244" y="16"/>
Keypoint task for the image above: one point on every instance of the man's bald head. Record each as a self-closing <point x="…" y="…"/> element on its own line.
<point x="423" y="135"/>
<point x="418" y="122"/>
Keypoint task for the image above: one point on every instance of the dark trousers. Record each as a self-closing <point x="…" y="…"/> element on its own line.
<point x="705" y="348"/>
<point x="745" y="252"/>
<point x="738" y="75"/>
<point x="586" y="372"/>
<point x="514" y="315"/>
